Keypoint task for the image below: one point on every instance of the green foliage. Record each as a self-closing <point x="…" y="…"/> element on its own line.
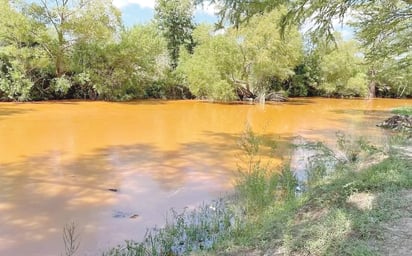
<point x="184" y="232"/>
<point x="122" y="70"/>
<point x="325" y="235"/>
<point x="354" y="149"/>
<point x="383" y="27"/>
<point x="175" y="19"/>
<point x="13" y="83"/>
<point x="84" y="43"/>
<point x="342" y="72"/>
<point x="394" y="77"/>
<point x="392" y="173"/>
<point x="257" y="184"/>
<point x="209" y="69"/>
<point x="328" y="224"/>
<point x="62" y="24"/>
<point x="249" y="57"/>
<point x="21" y="57"/>
<point x="321" y="221"/>
<point x="61" y="85"/>
<point x="238" y="12"/>
<point x="266" y="55"/>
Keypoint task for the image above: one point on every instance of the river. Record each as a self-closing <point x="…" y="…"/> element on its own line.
<point x="99" y="163"/>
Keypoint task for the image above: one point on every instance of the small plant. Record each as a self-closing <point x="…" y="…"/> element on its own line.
<point x="354" y="149"/>
<point x="259" y="185"/>
<point x="184" y="232"/>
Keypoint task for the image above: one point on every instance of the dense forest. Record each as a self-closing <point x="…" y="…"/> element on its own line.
<point x="79" y="49"/>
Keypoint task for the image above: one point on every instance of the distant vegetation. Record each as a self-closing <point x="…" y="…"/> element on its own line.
<point x="81" y="50"/>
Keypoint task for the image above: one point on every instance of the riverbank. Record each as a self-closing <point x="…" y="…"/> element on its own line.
<point x="349" y="212"/>
<point x="355" y="204"/>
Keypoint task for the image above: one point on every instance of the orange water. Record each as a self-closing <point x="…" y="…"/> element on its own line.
<point x="58" y="160"/>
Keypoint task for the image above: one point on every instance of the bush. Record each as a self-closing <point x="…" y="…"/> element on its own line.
<point x="14" y="84"/>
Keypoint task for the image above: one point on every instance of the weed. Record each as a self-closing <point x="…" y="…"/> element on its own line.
<point x="355" y="149"/>
<point x="184" y="232"/>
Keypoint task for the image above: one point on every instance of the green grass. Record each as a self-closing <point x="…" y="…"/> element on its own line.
<point x="341" y="228"/>
<point x="322" y="221"/>
<point x="405" y="110"/>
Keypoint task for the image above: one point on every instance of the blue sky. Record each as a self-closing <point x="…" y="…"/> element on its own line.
<point x="141" y="11"/>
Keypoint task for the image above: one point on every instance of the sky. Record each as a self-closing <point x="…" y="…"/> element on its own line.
<point x="141" y="11"/>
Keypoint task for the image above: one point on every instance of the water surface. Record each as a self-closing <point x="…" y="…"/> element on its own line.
<point x="59" y="160"/>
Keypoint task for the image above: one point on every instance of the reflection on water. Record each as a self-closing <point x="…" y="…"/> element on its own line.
<point x="88" y="161"/>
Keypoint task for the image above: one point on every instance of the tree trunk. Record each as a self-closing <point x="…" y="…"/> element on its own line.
<point x="60" y="55"/>
<point x="372" y="84"/>
<point x="372" y="89"/>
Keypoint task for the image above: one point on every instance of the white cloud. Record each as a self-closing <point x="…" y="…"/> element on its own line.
<point x="142" y="3"/>
<point x="207" y="8"/>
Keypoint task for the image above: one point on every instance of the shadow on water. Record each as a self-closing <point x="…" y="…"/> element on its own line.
<point x="39" y="195"/>
<point x="362" y="112"/>
<point x="142" y="102"/>
<point x="298" y="102"/>
<point x="8" y="111"/>
<point x="57" y="102"/>
<point x="292" y="102"/>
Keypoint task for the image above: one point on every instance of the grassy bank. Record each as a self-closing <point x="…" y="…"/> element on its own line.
<point x="343" y="206"/>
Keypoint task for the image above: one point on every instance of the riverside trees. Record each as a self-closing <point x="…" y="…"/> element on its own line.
<point x="251" y="56"/>
<point x="383" y="27"/>
<point x="80" y="49"/>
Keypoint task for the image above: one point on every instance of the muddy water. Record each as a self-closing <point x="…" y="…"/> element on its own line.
<point x="59" y="161"/>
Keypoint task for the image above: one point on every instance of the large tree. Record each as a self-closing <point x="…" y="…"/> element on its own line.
<point x="68" y="22"/>
<point x="382" y="25"/>
<point x="384" y="28"/>
<point x="211" y="70"/>
<point x="342" y="71"/>
<point x="175" y="20"/>
<point x="249" y="57"/>
<point x="121" y="69"/>
<point x="20" y="54"/>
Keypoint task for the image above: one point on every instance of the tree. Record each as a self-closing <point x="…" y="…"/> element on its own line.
<point x="394" y="78"/>
<point x="378" y="17"/>
<point x="72" y="22"/>
<point x="175" y="20"/>
<point x="211" y="70"/>
<point x="20" y="55"/>
<point x="382" y="25"/>
<point x="266" y="55"/>
<point x="385" y="31"/>
<point x="120" y="70"/>
<point x="249" y="57"/>
<point x="342" y="71"/>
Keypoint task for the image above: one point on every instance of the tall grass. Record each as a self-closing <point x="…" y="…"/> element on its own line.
<point x="184" y="232"/>
<point x="259" y="184"/>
